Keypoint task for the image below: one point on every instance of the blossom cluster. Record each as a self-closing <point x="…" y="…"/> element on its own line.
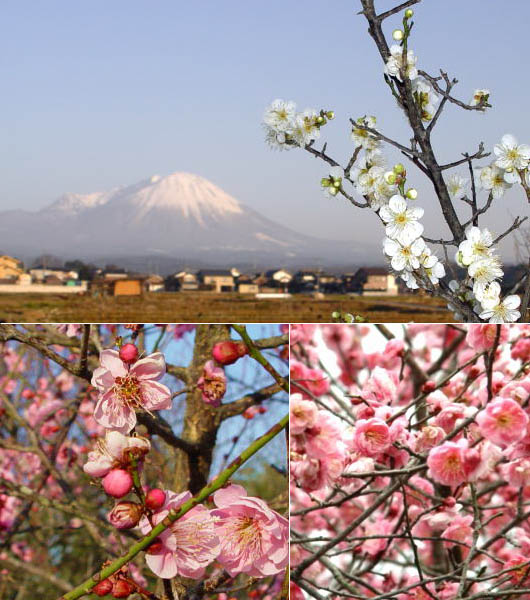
<point x="484" y="268"/>
<point x="419" y="451"/>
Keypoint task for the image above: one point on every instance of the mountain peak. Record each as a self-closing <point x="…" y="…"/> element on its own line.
<point x="192" y="196"/>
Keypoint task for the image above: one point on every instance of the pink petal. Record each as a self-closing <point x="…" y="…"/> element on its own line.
<point x="110" y="360"/>
<point x="116" y="443"/>
<point x="113" y="414"/>
<point x="229" y="495"/>
<point x="102" y="379"/>
<point x="150" y="367"/>
<point x="164" y="565"/>
<point x="156" y="396"/>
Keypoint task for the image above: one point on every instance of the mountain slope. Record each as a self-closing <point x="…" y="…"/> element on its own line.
<point x="177" y="216"/>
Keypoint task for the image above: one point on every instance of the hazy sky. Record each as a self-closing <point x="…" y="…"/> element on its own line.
<point x="99" y="94"/>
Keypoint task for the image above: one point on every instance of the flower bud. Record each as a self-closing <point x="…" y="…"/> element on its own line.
<point x="399" y="169"/>
<point x="226" y="353"/>
<point x="129" y="353"/>
<point x="155" y="499"/>
<point x="330" y="115"/>
<point x="428" y="387"/>
<point x="103" y="587"/>
<point x="398" y="35"/>
<point x="411" y="194"/>
<point x="125" y="515"/>
<point x="325" y="182"/>
<point x="333" y="191"/>
<point x="409" y="13"/>
<point x="122" y="589"/>
<point x="117" y="483"/>
<point x="321" y="120"/>
<point x="156" y="547"/>
<point x="337" y="183"/>
<point x="390" y="177"/>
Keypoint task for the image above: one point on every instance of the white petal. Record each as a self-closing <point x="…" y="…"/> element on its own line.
<point x="397" y="203"/>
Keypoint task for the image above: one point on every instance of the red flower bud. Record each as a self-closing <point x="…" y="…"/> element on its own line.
<point x="226" y="353"/>
<point x="428" y="387"/>
<point x="103" y="587"/>
<point x="117" y="483"/>
<point x="156" y="547"/>
<point x="155" y="499"/>
<point x="125" y="515"/>
<point x="129" y="353"/>
<point x="122" y="589"/>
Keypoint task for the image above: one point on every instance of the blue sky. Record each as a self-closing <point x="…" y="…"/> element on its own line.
<point x="102" y="94"/>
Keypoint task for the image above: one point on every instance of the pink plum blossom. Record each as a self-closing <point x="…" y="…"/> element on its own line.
<point x="502" y="422"/>
<point x="188" y="545"/>
<point x="212" y="384"/>
<point x="452" y="463"/>
<point x="371" y="437"/>
<point x="253" y="537"/>
<point x="123" y="389"/>
<point x="482" y="337"/>
<point x="113" y="452"/>
<point x="302" y="414"/>
<point x="69" y="329"/>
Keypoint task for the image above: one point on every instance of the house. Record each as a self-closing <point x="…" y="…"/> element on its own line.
<point x="132" y="286"/>
<point x="374" y="281"/>
<point x="10" y="268"/>
<point x="113" y="275"/>
<point x="154" y="283"/>
<point x="129" y="287"/>
<point x="219" y="280"/>
<point x="41" y="273"/>
<point x="305" y="281"/>
<point x="278" y="278"/>
<point x="185" y="281"/>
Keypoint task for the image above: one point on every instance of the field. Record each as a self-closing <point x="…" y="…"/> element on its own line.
<point x="190" y="307"/>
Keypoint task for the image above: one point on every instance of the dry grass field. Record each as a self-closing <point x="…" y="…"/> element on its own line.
<point x="189" y="307"/>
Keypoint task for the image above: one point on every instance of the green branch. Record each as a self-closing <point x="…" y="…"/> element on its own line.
<point x="258" y="356"/>
<point x="174" y="515"/>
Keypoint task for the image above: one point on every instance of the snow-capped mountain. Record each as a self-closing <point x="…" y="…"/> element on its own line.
<point x="179" y="216"/>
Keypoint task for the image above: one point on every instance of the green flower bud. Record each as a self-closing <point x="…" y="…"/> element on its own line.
<point x="337" y="183"/>
<point x="330" y="115"/>
<point x="325" y="182"/>
<point x="390" y="177"/>
<point x="398" y="35"/>
<point x="411" y="194"/>
<point x="320" y="120"/>
<point x="333" y="191"/>
<point x="409" y="13"/>
<point x="399" y="169"/>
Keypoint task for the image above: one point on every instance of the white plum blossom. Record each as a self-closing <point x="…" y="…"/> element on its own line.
<point x="305" y="127"/>
<point x="364" y="138"/>
<point x="367" y="180"/>
<point x="483" y="272"/>
<point x="404" y="256"/>
<point x="479" y="96"/>
<point x="433" y="267"/>
<point x="512" y="157"/>
<point x="381" y="193"/>
<point x="276" y="139"/>
<point x="500" y="311"/>
<point x="492" y="179"/>
<point x="401" y="221"/>
<point x="409" y="279"/>
<point x="395" y="63"/>
<point x="476" y="245"/>
<point x="456" y="186"/>
<point x="426" y="98"/>
<point x="279" y="115"/>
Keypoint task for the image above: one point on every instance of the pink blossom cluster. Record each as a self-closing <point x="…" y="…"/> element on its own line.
<point x="419" y="449"/>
